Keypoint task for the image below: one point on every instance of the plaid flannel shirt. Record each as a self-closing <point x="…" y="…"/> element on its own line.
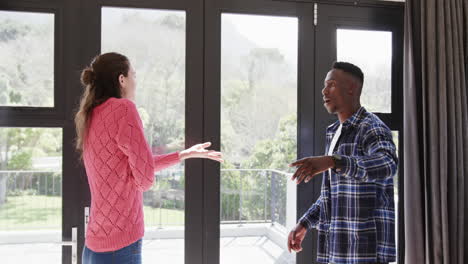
<point x="355" y="213"/>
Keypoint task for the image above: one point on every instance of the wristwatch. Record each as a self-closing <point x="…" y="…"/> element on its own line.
<point x="339" y="162"/>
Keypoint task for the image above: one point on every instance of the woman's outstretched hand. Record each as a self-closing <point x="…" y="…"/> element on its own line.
<point x="200" y="151"/>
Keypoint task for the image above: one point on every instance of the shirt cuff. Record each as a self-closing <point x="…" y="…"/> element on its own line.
<point x="306" y="223"/>
<point x="347" y="167"/>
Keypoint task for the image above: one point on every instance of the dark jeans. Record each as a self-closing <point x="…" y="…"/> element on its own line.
<point x="128" y="255"/>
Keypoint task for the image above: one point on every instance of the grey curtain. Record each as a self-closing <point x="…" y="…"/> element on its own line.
<point x="436" y="131"/>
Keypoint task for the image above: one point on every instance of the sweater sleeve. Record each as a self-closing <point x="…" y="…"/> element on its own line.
<point x="131" y="140"/>
<point x="166" y="160"/>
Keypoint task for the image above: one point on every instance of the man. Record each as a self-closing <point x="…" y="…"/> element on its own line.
<point x="354" y="214"/>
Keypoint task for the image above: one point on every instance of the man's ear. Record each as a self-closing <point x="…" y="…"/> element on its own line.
<point x="352" y="88"/>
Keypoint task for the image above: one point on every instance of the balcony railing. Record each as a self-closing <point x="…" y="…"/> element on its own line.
<point x="31" y="200"/>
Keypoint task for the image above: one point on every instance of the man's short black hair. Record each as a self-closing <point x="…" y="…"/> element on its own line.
<point x="349" y="68"/>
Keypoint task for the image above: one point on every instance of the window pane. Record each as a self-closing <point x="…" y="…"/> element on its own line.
<point x="258" y="137"/>
<point x="395" y="135"/>
<point x="154" y="42"/>
<point x="27" y="54"/>
<point x="372" y="52"/>
<point x="30" y="195"/>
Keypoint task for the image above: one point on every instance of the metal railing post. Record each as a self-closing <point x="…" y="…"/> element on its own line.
<point x="240" y="201"/>
<point x="160" y="209"/>
<point x="265" y="202"/>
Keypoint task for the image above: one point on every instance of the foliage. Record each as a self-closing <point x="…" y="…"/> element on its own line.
<point x="278" y="152"/>
<point x="20" y="145"/>
<point x="22" y="159"/>
<point x="26" y="74"/>
<point x="256" y="195"/>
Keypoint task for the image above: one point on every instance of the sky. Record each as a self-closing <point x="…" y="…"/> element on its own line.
<point x="30" y="17"/>
<point x="365" y="46"/>
<point x="268" y="31"/>
<point x="362" y="46"/>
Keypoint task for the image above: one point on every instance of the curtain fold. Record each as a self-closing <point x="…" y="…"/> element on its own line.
<point x="435" y="131"/>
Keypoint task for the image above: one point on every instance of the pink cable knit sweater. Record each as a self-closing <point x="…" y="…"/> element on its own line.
<point x="120" y="166"/>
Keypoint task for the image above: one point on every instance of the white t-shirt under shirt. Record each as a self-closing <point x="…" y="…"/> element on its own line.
<point x="333" y="144"/>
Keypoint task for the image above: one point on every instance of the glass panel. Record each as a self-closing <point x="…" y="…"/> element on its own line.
<point x="30" y="195"/>
<point x="396" y="138"/>
<point x="27" y="52"/>
<point x="372" y="52"/>
<point x="395" y="135"/>
<point x="154" y="42"/>
<point x="258" y="137"/>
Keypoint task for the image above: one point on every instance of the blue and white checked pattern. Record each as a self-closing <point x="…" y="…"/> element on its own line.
<point x="355" y="213"/>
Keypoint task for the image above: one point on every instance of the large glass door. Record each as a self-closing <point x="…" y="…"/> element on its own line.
<point x="254" y="80"/>
<point x="31" y="195"/>
<point x="163" y="41"/>
<point x="31" y="146"/>
<point x="44" y="195"/>
<point x="371" y="38"/>
<point x="258" y="137"/>
<point x="154" y="41"/>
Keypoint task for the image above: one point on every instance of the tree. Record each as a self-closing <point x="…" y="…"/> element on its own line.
<point x="275" y="153"/>
<point x="18" y="147"/>
<point x="254" y="99"/>
<point x="161" y="89"/>
<point x="278" y="152"/>
<point x="26" y="75"/>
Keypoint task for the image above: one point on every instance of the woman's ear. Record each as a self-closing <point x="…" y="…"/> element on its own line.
<point x="121" y="79"/>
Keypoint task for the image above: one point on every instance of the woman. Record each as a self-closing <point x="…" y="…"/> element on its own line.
<point x="118" y="161"/>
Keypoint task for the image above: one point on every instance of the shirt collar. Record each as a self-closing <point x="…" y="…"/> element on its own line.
<point x="354" y="120"/>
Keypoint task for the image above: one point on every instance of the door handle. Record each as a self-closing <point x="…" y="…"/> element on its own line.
<point x="74" y="245"/>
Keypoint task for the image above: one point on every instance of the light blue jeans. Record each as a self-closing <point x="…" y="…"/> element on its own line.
<point x="128" y="255"/>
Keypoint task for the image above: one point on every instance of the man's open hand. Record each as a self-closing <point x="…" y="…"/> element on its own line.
<point x="311" y="166"/>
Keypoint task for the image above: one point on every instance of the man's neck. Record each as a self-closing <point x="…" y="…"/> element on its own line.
<point x="347" y="113"/>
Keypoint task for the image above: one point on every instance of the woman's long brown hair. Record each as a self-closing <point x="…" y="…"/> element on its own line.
<point x="101" y="81"/>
